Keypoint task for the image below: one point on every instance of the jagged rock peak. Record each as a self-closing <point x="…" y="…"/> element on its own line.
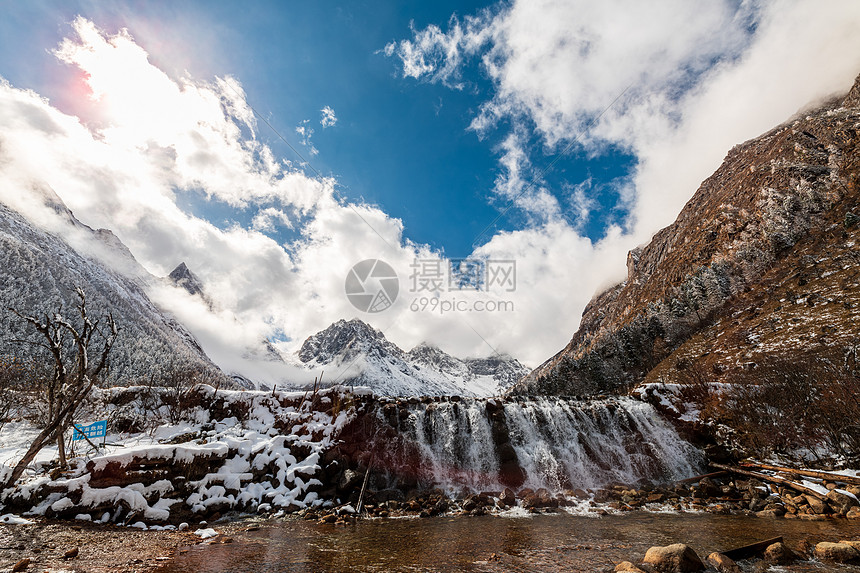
<point x="425" y="370"/>
<point x="183" y="277"/>
<point x="342" y="334"/>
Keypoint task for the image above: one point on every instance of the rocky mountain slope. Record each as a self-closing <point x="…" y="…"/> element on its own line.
<point x="353" y="352"/>
<point x="39" y="271"/>
<point x="757" y="279"/>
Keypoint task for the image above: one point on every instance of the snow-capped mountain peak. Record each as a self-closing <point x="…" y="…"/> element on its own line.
<point x="353" y="352"/>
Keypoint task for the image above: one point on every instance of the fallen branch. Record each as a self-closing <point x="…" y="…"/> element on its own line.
<point x="806" y="473"/>
<point x="775" y="479"/>
<point x="751" y="550"/>
<point x="699" y="478"/>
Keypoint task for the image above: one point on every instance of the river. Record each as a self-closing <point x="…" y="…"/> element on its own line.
<point x="555" y="542"/>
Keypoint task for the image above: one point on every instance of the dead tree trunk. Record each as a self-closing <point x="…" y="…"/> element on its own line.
<point x="74" y="374"/>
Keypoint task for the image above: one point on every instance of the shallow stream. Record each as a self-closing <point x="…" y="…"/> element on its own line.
<point x="556" y="542"/>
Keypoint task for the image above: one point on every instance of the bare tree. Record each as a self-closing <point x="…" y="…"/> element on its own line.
<point x="74" y="373"/>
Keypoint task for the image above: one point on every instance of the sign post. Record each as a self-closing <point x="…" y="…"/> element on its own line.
<point x="94" y="430"/>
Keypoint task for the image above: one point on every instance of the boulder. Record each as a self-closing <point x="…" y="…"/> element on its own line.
<point x="349" y="480"/>
<point x="440" y="507"/>
<point x="840" y="501"/>
<point x="676" y="558"/>
<point x="838" y="552"/>
<point x="722" y="563"/>
<point x="817" y="505"/>
<point x="508" y="498"/>
<point x="853" y="513"/>
<point x="708" y="488"/>
<point x="778" y="554"/>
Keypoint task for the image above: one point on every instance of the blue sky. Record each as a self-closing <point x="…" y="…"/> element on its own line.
<point x="446" y="114"/>
<point x="398" y="143"/>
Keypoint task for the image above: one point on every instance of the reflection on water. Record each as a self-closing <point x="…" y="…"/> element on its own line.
<point x="559" y="542"/>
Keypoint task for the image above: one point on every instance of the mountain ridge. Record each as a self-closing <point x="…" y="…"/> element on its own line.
<point x="353" y="352"/>
<point x="41" y="271"/>
<point x="776" y="199"/>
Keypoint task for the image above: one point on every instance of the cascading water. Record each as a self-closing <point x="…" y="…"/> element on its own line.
<point x="562" y="444"/>
<point x="552" y="443"/>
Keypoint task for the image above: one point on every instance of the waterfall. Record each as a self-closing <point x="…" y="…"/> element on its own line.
<point x="552" y="443"/>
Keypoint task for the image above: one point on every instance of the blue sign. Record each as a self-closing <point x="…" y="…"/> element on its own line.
<point x="94" y="430"/>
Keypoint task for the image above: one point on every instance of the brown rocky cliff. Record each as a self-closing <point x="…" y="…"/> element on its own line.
<point x="778" y="221"/>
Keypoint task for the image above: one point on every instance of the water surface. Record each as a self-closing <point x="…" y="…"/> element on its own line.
<point x="559" y="542"/>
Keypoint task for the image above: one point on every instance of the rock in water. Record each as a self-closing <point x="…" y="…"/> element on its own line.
<point x="841" y="502"/>
<point x="508" y="498"/>
<point x="722" y="563"/>
<point x="676" y="558"/>
<point x="779" y="554"/>
<point x="838" y="552"/>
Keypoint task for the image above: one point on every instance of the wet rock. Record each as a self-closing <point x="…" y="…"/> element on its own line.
<point x="508" y="498"/>
<point x="707" y="488"/>
<point x="837" y="552"/>
<point x="757" y="504"/>
<point x="676" y="558"/>
<point x="818" y="506"/>
<point x="779" y="554"/>
<point x="722" y="563"/>
<point x="511" y="474"/>
<point x="349" y="480"/>
<point x="21" y="565"/>
<point x="627" y="567"/>
<point x="440" y="507"/>
<point x="841" y="502"/>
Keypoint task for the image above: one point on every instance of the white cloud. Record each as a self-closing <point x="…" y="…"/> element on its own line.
<point x="146" y="140"/>
<point x="305" y="134"/>
<point x="270" y="217"/>
<point x="696" y="79"/>
<point x="328" y="119"/>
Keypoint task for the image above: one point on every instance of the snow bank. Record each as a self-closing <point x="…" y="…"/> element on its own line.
<point x="237" y="450"/>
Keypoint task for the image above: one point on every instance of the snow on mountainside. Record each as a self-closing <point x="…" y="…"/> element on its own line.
<point x="39" y="271"/>
<point x="353" y="352"/>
